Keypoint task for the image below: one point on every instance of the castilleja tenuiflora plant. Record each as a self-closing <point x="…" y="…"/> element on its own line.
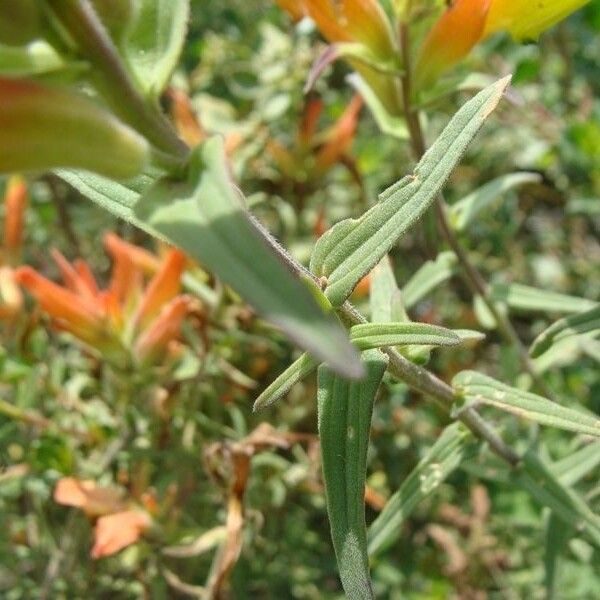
<point x="101" y="129"/>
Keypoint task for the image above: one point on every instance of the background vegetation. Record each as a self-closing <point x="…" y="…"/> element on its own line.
<point x="176" y="435"/>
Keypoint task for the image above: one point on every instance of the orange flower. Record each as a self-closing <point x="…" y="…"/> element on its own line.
<point x="466" y="22"/>
<point x="340" y="137"/>
<point x="315" y="153"/>
<point x="93" y="499"/>
<point x="15" y="204"/>
<point x="451" y="38"/>
<point x="115" y="532"/>
<point x="152" y="343"/>
<point x="118" y="524"/>
<point x="163" y="287"/>
<point x="124" y="318"/>
<point x="362" y="21"/>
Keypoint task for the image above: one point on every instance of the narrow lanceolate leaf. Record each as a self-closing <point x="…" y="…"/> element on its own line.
<point x="350" y="249"/>
<point x="155" y="41"/>
<point x="428" y="277"/>
<point x="475" y="388"/>
<point x="574" y="467"/>
<point x="296" y="372"/>
<point x="378" y="335"/>
<point x="527" y="298"/>
<point x="122" y="200"/>
<point x="586" y="322"/>
<point x="382" y="292"/>
<point x="537" y="478"/>
<point x="452" y="447"/>
<point x="558" y="534"/>
<point x="394" y="126"/>
<point x="463" y="213"/>
<point x="345" y="410"/>
<point x="207" y="219"/>
<point x="43" y="127"/>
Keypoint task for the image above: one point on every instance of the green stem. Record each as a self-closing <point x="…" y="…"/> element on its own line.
<point x="422" y="380"/>
<point x="113" y="80"/>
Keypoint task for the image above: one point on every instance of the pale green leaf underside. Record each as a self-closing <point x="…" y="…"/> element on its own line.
<point x="587" y="322"/>
<point x="154" y="43"/>
<point x="538" y="479"/>
<point x="476" y="388"/>
<point x="464" y="212"/>
<point x="345" y="410"/>
<point x="527" y="298"/>
<point x="454" y="445"/>
<point x="350" y="249"/>
<point x="428" y="277"/>
<point x="206" y="218"/>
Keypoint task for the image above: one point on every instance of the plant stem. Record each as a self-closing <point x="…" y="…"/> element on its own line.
<point x="112" y="78"/>
<point x="414" y="376"/>
<point x="427" y="383"/>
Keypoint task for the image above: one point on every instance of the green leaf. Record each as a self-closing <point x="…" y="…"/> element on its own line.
<point x="476" y="388"/>
<point x="579" y="324"/>
<point x="390" y="125"/>
<point x="296" y="372"/>
<point x="573" y="468"/>
<point x="117" y="198"/>
<point x="206" y="218"/>
<point x="378" y="335"/>
<point x="382" y="292"/>
<point x="155" y="40"/>
<point x="537" y="478"/>
<point x="452" y="447"/>
<point x="558" y="534"/>
<point x="428" y="277"/>
<point x="526" y="298"/>
<point x="38" y="60"/>
<point x="172" y="212"/>
<point x="350" y="249"/>
<point x="345" y="410"/>
<point x="464" y="212"/>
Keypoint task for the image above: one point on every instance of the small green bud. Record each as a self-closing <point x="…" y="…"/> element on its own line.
<point x="20" y="21"/>
<point x="43" y="128"/>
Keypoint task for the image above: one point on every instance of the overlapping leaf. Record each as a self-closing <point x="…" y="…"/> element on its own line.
<point x="155" y="41"/>
<point x="466" y="210"/>
<point x="350" y="249"/>
<point x="206" y="218"/>
<point x="579" y="324"/>
<point x="476" y="388"/>
<point x="345" y="410"/>
<point x="527" y="298"/>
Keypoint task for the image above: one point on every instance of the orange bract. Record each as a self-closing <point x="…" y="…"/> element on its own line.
<point x="451" y="38"/>
<point x="125" y="317"/>
<point x="466" y="22"/>
<point x="93" y="499"/>
<point x="115" y="532"/>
